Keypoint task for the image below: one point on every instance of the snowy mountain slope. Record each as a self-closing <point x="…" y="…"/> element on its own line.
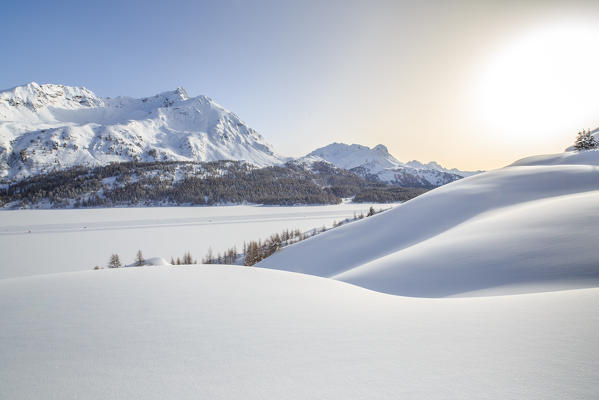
<point x="46" y="127"/>
<point x="379" y="163"/>
<point x="219" y="332"/>
<point x="531" y="226"/>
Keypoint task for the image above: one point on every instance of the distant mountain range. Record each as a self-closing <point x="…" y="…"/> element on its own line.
<point x="49" y="127"/>
<point x="378" y="164"/>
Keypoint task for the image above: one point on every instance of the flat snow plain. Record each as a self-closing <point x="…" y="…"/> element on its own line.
<point x="47" y="241"/>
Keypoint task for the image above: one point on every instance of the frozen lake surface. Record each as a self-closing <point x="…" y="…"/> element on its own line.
<point x="47" y="241"/>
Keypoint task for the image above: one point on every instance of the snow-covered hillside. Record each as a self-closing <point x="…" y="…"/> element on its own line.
<point x="219" y="332"/>
<point x="47" y="127"/>
<point x="531" y="226"/>
<point x="377" y="162"/>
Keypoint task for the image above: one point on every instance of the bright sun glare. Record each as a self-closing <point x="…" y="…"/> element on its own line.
<point x="544" y="81"/>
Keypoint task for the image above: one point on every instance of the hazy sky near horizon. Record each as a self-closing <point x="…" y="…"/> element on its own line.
<point x="470" y="84"/>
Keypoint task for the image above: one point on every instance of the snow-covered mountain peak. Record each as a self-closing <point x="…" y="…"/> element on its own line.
<point x="182" y="93"/>
<point x="380" y="148"/>
<point x="34" y="97"/>
<point x="420" y="165"/>
<point x="379" y="163"/>
<point x="355" y="155"/>
<point x="172" y="97"/>
<point x="47" y="127"/>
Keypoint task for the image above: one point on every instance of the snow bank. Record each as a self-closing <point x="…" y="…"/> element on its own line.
<point x="156" y="261"/>
<point x="529" y="227"/>
<point x="232" y="332"/>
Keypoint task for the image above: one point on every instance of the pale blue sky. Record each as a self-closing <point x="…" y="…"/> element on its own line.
<point x="306" y="73"/>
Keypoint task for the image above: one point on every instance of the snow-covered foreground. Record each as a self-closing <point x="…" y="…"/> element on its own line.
<point x="220" y="332"/>
<point x="230" y="332"/>
<point x="532" y="226"/>
<point x="46" y="241"/>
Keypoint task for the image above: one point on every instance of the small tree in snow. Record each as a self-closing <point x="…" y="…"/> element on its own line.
<point x="210" y="256"/>
<point x="187" y="259"/>
<point x="371" y="212"/>
<point x="139" y="259"/>
<point x="585" y="141"/>
<point x="114" y="262"/>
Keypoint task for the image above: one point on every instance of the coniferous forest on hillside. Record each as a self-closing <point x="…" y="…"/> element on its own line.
<point x="203" y="183"/>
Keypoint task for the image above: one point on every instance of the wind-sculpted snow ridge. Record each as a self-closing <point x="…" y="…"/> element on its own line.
<point x="230" y="332"/>
<point x="52" y="127"/>
<point x="529" y="227"/>
<point x="378" y="164"/>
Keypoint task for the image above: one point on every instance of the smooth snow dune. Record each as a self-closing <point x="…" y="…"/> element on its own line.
<point x="220" y="332"/>
<point x="530" y="227"/>
<point x="510" y="250"/>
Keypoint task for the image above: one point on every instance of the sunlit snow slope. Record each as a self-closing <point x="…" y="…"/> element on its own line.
<point x="220" y="332"/>
<point x="46" y="127"/>
<point x="532" y="226"/>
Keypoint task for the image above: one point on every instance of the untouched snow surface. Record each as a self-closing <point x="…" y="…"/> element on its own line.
<point x="231" y="332"/>
<point x="532" y="226"/>
<point x="46" y="241"/>
<point x="220" y="332"/>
